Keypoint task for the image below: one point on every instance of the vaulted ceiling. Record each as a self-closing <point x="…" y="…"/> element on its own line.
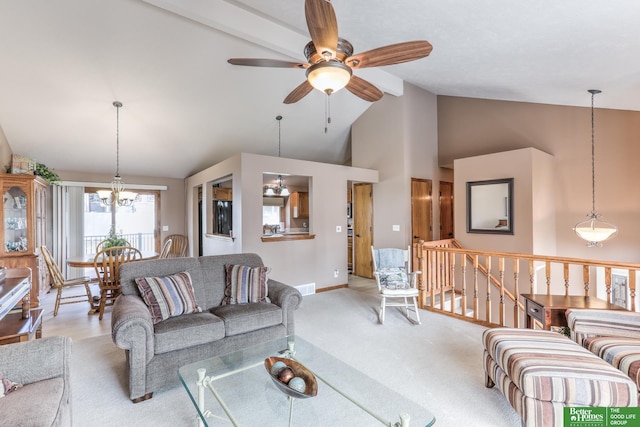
<point x="63" y="63"/>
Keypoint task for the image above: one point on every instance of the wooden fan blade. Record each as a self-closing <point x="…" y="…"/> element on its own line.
<point x="323" y="25"/>
<point x="298" y="93"/>
<point x="392" y="54"/>
<point x="259" y="62"/>
<point x="363" y="89"/>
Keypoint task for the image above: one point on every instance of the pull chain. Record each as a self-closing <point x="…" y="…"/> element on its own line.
<point x="327" y="112"/>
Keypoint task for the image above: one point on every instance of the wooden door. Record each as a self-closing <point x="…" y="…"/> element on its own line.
<point x="446" y="210"/>
<point x="421" y="210"/>
<point x="362" y="230"/>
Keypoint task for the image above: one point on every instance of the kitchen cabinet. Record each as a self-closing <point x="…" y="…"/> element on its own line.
<point x="24" y="226"/>
<point x="299" y="204"/>
<point x="220" y="193"/>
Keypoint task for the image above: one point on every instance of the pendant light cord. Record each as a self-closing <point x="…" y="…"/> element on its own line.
<point x="117" y="104"/>
<point x="593" y="157"/>
<point x="279" y="119"/>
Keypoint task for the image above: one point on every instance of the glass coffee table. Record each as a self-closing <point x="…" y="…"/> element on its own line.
<point x="237" y="389"/>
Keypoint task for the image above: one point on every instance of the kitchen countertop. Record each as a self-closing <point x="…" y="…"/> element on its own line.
<point x="288" y="236"/>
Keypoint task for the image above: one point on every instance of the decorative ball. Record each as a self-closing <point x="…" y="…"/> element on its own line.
<point x="297" y="384"/>
<point x="285" y="375"/>
<point x="276" y="367"/>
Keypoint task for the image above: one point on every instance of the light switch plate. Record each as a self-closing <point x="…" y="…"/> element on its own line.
<point x="395" y="227"/>
<point x="338" y="229"/>
<point x="165" y="228"/>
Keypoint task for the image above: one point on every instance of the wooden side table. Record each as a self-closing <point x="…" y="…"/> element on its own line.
<point x="14" y="328"/>
<point x="549" y="309"/>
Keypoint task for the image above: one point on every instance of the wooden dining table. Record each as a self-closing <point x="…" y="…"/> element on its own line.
<point x="86" y="261"/>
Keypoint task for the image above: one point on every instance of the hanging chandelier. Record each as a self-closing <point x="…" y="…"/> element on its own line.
<point x="593" y="230"/>
<point x="279" y="189"/>
<point x="117" y="195"/>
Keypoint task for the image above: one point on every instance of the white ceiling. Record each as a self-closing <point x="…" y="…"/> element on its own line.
<point x="63" y="63"/>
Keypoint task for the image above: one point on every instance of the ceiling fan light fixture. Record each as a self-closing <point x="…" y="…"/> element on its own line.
<point x="329" y="77"/>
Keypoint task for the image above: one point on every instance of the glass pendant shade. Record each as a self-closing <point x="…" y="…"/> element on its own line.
<point x="329" y="77"/>
<point x="593" y="230"/>
<point x="283" y="190"/>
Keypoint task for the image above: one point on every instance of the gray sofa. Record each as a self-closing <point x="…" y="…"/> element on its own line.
<point x="42" y="367"/>
<point x="155" y="352"/>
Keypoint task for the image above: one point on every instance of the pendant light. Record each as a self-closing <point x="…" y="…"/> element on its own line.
<point x="279" y="189"/>
<point x="593" y="230"/>
<point x="117" y="195"/>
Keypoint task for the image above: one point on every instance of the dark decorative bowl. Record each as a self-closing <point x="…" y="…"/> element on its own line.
<point x="299" y="371"/>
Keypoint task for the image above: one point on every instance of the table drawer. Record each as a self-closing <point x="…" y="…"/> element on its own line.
<point x="535" y="310"/>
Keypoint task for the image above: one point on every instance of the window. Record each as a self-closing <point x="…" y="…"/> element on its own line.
<point x="270" y="215"/>
<point x="138" y="223"/>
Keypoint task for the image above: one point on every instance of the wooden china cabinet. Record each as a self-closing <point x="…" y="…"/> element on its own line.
<point x="24" y="226"/>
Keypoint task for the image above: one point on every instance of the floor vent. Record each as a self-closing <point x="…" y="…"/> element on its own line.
<point x="308" y="289"/>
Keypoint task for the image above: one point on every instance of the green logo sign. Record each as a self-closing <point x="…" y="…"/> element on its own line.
<point x="601" y="417"/>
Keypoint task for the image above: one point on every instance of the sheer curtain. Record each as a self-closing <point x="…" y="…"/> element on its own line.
<point x="68" y="226"/>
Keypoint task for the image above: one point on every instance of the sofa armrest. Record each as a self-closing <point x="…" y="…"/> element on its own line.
<point x="585" y="323"/>
<point x="132" y="329"/>
<point x="131" y="325"/>
<point x="286" y="297"/>
<point x="37" y="360"/>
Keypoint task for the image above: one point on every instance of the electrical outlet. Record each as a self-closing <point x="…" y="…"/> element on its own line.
<point x="338" y="229"/>
<point x="165" y="228"/>
<point x="336" y="272"/>
<point x="395" y="227"/>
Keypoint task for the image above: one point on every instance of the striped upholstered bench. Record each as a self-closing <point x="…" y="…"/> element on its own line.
<point x="541" y="372"/>
<point x="612" y="335"/>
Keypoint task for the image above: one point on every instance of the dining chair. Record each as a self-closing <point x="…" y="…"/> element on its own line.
<point x="392" y="270"/>
<point x="179" y="245"/>
<point x="107" y="264"/>
<point x="166" y="248"/>
<point x="59" y="283"/>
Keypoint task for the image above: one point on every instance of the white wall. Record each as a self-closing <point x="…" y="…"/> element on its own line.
<point x="469" y="127"/>
<point x="398" y="137"/>
<point x="533" y="194"/>
<point x="295" y="262"/>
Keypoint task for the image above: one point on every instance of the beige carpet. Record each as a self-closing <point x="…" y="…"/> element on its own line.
<point x="437" y="364"/>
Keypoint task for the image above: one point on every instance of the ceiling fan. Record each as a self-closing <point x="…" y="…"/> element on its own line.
<point x="331" y="61"/>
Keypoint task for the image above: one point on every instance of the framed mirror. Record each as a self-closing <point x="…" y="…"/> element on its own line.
<point x="490" y="206"/>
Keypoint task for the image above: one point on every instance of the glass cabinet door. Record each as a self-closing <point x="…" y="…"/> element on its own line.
<point x="15" y="221"/>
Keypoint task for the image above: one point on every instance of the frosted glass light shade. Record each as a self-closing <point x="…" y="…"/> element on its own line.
<point x="594" y="231"/>
<point x="329" y="77"/>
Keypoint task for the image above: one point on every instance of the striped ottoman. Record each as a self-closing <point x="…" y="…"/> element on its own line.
<point x="541" y="372"/>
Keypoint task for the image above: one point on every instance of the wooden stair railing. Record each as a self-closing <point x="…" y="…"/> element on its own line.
<point x="443" y="276"/>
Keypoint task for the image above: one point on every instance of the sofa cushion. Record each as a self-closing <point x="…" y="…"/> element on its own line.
<point x="621" y="353"/>
<point x="186" y="331"/>
<point x="168" y="296"/>
<point x="245" y="284"/>
<point x="17" y="408"/>
<point x="241" y="318"/>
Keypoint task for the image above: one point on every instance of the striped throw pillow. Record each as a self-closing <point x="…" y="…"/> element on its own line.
<point x="168" y="296"/>
<point x="245" y="284"/>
